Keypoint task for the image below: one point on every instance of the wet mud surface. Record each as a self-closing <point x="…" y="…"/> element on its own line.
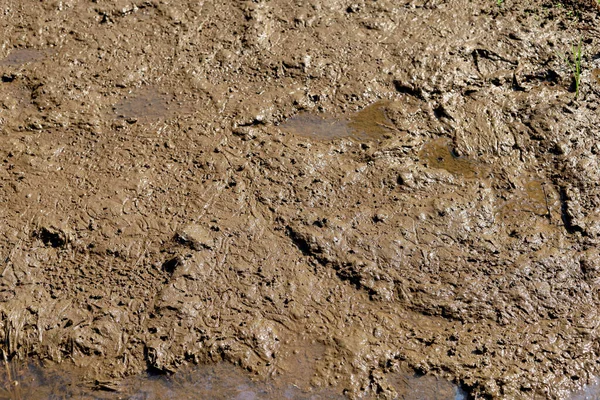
<point x="214" y="381"/>
<point x="325" y="193"/>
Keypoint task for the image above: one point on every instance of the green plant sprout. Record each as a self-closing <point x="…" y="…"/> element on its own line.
<point x="499" y="2"/>
<point x="575" y="65"/>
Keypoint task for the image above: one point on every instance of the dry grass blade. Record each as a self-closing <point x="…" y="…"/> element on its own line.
<point x="13" y="388"/>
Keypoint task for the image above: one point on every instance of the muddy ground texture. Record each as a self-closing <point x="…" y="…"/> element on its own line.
<point x="156" y="210"/>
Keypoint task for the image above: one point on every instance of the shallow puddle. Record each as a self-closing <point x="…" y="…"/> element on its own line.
<point x="590" y="392"/>
<point x="219" y="381"/>
<point x="371" y="123"/>
<point x="148" y="104"/>
<point x="317" y="127"/>
<point x="22" y="56"/>
<point x="534" y="197"/>
<point x="216" y="381"/>
<point x="439" y="154"/>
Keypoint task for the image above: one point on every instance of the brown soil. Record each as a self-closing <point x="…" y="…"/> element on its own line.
<point x="432" y="203"/>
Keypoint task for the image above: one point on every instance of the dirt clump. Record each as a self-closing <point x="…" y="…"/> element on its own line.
<point x="431" y="203"/>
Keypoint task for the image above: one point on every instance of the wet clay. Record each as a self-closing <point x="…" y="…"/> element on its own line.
<point x="324" y="193"/>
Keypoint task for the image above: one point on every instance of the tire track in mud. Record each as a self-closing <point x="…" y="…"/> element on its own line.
<point x="309" y="246"/>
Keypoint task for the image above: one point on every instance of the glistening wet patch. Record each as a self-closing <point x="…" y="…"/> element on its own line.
<point x="369" y="124"/>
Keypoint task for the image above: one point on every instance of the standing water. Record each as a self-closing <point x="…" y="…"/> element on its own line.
<point x="219" y="381"/>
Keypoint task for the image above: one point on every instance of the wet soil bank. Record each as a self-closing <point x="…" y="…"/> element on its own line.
<point x="325" y="192"/>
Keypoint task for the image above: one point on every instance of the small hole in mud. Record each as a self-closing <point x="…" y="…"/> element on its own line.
<point x="320" y="223"/>
<point x="169" y="266"/>
<point x="552" y="76"/>
<point x="51" y="238"/>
